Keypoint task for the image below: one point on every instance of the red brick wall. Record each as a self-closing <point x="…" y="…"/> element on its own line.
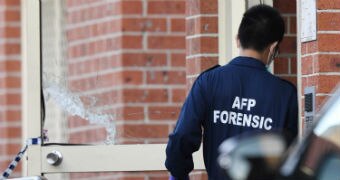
<point x="320" y="59"/>
<point x="202" y="37"/>
<point x="10" y="83"/>
<point x="202" y="44"/>
<point x="285" y="65"/>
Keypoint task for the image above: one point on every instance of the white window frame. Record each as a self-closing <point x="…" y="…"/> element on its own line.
<point x="101" y="158"/>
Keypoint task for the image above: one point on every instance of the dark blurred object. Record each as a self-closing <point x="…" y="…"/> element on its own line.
<point x="264" y="155"/>
<point x="251" y="156"/>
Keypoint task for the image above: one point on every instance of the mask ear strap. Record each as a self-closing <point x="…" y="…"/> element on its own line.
<point x="273" y="55"/>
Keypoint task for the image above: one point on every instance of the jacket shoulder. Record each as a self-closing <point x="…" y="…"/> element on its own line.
<point x="210" y="69"/>
<point x="288" y="83"/>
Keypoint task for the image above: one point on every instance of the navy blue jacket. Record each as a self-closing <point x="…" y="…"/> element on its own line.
<point x="226" y="101"/>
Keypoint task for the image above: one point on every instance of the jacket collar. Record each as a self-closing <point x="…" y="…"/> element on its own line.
<point x="249" y="62"/>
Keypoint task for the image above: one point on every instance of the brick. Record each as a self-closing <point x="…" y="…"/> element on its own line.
<point x="145" y="95"/>
<point x="199" y="175"/>
<point x="143" y="59"/>
<point x="293" y="27"/>
<point x="10" y="2"/>
<point x="178" y="25"/>
<point x="10" y="82"/>
<point x="200" y="64"/>
<point x="129" y="77"/>
<point x="87" y="136"/>
<point x="115" y="78"/>
<point x="12" y="115"/>
<point x="144" y="131"/>
<point x="166" y="7"/>
<point x="209" y="25"/>
<point x="195" y="7"/>
<point x="327" y="63"/>
<point x="165" y="177"/>
<point x="285" y="6"/>
<point x="109" y="97"/>
<point x="209" y="45"/>
<point x="178" y="60"/>
<point x="10" y="66"/>
<point x="309" y="47"/>
<point x="163" y="113"/>
<point x="202" y="25"/>
<point x="94" y="30"/>
<point x="127" y="177"/>
<point x="12" y="149"/>
<point x="178" y="95"/>
<point x="329" y="42"/>
<point x="144" y="25"/>
<point x="166" y="77"/>
<point x="9" y="32"/>
<point x="10" y="132"/>
<point x="281" y="66"/>
<point x="158" y="175"/>
<point x="288" y="45"/>
<point x="130" y="113"/>
<point x="328" y="21"/>
<point x="327" y="83"/>
<point x="131" y="7"/>
<point x="308" y="81"/>
<point x="12" y="15"/>
<point x="202" y="45"/>
<point x="10" y="99"/>
<point x="285" y="19"/>
<point x="293" y="65"/>
<point x="166" y="42"/>
<point x="307" y="65"/>
<point x="10" y="48"/>
<point x="320" y="102"/>
<point x="121" y="140"/>
<point x="131" y="42"/>
<point x="93" y="12"/>
<point x="76" y="121"/>
<point x="328" y="4"/>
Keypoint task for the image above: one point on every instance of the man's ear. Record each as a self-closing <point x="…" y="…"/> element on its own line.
<point x="238" y="41"/>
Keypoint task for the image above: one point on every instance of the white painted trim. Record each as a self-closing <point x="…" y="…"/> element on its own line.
<point x="328" y="10"/>
<point x="201" y="35"/>
<point x="31" y="82"/>
<point x="201" y="55"/>
<point x="110" y="158"/>
<point x="299" y="67"/>
<point x="200" y="16"/>
<point x="328" y="32"/>
<point x="230" y="13"/>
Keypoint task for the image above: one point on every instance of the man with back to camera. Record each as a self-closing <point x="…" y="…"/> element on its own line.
<point x="239" y="97"/>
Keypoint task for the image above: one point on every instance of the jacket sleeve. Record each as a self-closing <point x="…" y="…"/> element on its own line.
<point x="291" y="127"/>
<point x="187" y="135"/>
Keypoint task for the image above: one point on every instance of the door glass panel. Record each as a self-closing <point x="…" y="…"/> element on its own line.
<point x="106" y="77"/>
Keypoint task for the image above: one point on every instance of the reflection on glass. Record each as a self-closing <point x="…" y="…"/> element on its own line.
<point x="329" y="124"/>
<point x="68" y="105"/>
<point x="329" y="168"/>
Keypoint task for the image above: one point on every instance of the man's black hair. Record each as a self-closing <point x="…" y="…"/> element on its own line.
<point x="261" y="25"/>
